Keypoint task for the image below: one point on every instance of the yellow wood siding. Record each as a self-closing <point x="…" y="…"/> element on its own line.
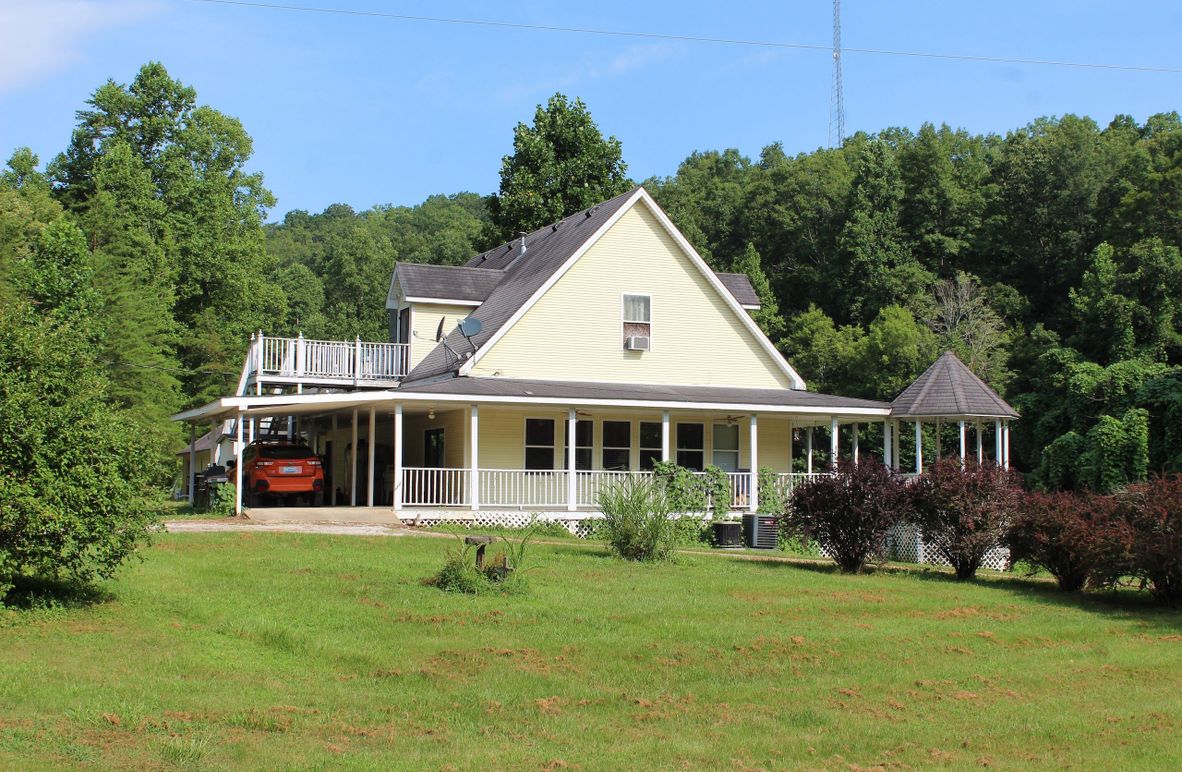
<point x="424" y="321"/>
<point x="455" y="440"/>
<point x="574" y="332"/>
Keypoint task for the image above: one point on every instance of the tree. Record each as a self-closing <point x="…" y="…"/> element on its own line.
<point x="201" y="209"/>
<point x="559" y="165"/>
<point x="964" y="322"/>
<point x="824" y="354"/>
<point x="895" y="351"/>
<point x="768" y="316"/>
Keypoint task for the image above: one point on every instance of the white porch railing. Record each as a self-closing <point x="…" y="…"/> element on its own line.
<point x="435" y="487"/>
<point x="343" y="360"/>
<point x="590" y="482"/>
<point x="519" y="489"/>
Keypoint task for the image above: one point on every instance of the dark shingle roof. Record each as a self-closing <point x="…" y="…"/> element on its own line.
<point x="547" y="249"/>
<point x="447" y="282"/>
<point x="575" y="391"/>
<point x="739" y="285"/>
<point x="949" y="388"/>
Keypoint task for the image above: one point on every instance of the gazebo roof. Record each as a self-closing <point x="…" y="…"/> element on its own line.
<point x="949" y="389"/>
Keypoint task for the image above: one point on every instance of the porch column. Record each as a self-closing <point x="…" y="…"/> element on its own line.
<point x="808" y="440"/>
<point x="753" y="485"/>
<point x="855" y="443"/>
<point x="834" y="438"/>
<point x="997" y="454"/>
<point x="397" y="482"/>
<point x="572" y="425"/>
<point x="192" y="464"/>
<point x="665" y="436"/>
<point x="238" y="467"/>
<point x="373" y="446"/>
<point x="887" y="446"/>
<point x="215" y="446"/>
<point x="962" y="445"/>
<point x="895" y="426"/>
<point x="1006" y="454"/>
<point x="250" y="431"/>
<point x="475" y="456"/>
<point x="939" y="431"/>
<point x="353" y="464"/>
<point x="791" y="449"/>
<point x="918" y="448"/>
<point x="980" y="447"/>
<point x="332" y="464"/>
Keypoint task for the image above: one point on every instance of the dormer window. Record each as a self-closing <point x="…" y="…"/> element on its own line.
<point x="637" y="322"/>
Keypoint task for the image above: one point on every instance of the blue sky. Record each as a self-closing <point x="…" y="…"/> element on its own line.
<point x="370" y="111"/>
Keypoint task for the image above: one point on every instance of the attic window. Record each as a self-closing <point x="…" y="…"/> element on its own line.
<point x="637" y="318"/>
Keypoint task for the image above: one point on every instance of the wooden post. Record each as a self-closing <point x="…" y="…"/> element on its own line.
<point x="572" y="426"/>
<point x="475" y="456"/>
<point x="962" y="445"/>
<point x="192" y="464"/>
<point x="918" y="447"/>
<point x="353" y="464"/>
<point x="887" y="446"/>
<point x="834" y="438"/>
<point x="1006" y="454"/>
<point x="855" y="448"/>
<point x="753" y="486"/>
<point x="665" y="436"/>
<point x="980" y="447"/>
<point x="373" y="446"/>
<point x="332" y="463"/>
<point x="238" y="467"/>
<point x="397" y="482"/>
<point x="997" y="453"/>
<point x="809" y="450"/>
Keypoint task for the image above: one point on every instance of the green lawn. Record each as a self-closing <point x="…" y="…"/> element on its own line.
<point x="283" y="650"/>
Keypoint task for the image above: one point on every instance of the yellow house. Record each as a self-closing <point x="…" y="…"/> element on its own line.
<point x="543" y="370"/>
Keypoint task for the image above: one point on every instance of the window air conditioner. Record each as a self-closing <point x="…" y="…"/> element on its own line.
<point x="636" y="343"/>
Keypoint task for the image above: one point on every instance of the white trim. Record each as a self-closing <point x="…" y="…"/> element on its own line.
<point x="273" y="404"/>
<point x="749" y="308"/>
<point x="642" y="195"/>
<point x="442" y="301"/>
<point x="550" y="282"/>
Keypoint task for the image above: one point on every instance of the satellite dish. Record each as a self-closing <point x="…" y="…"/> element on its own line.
<point x="439" y="332"/>
<point x="470" y="326"/>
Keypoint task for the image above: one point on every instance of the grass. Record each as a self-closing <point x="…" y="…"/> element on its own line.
<point x="290" y="650"/>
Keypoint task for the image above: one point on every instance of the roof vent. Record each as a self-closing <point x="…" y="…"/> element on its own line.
<point x="521" y="249"/>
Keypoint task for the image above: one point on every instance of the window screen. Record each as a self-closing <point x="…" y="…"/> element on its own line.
<point x="539" y="443"/>
<point x="690" y="446"/>
<point x="650" y="444"/>
<point x="617" y="445"/>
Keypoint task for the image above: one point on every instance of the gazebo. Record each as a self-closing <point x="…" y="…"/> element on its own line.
<point x="947" y="392"/>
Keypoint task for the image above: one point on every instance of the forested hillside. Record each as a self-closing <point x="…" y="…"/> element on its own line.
<point x="1048" y="258"/>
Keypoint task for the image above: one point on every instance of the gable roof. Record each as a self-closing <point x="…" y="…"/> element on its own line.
<point x="949" y="388"/>
<point x="739" y="285"/>
<point x="551" y="250"/>
<point x="420" y="281"/>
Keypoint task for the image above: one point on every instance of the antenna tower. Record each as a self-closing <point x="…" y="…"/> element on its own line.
<point x="836" y="107"/>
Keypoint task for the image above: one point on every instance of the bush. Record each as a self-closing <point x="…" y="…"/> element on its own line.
<point x="503" y="571"/>
<point x="848" y="513"/>
<point x="76" y="494"/>
<point x="684" y="490"/>
<point x="964" y="513"/>
<point x="1078" y="538"/>
<point x="1153" y="511"/>
<point x="636" y="520"/>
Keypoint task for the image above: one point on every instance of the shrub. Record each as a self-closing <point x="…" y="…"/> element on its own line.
<point x="772" y="500"/>
<point x="636" y="523"/>
<point x="1153" y="511"/>
<point x="849" y="513"/>
<point x="1076" y="537"/>
<point x="964" y="513"/>
<point x="684" y="491"/>
<point x="503" y="571"/>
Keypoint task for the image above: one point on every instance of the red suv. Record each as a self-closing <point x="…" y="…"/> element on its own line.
<point x="281" y="469"/>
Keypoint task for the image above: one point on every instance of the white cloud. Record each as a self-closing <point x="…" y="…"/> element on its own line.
<point x="41" y="37"/>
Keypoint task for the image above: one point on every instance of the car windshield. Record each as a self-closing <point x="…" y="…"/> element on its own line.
<point x="285" y="452"/>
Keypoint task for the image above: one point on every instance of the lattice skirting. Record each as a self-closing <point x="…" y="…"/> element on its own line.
<point x="903" y="545"/>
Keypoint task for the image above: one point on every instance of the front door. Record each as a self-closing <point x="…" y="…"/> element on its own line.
<point x="433" y="448"/>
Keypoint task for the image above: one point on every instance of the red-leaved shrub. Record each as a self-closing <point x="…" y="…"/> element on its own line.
<point x="1153" y="510"/>
<point x="1079" y="538"/>
<point x="964" y="513"/>
<point x="848" y="513"/>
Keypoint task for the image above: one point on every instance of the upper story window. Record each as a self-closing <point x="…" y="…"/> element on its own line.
<point x="637" y="321"/>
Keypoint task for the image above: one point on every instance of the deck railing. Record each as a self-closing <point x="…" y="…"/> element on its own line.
<point x="334" y="360"/>
<point x="543" y="490"/>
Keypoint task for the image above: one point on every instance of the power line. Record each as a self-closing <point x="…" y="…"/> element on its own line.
<point x="696" y="38"/>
